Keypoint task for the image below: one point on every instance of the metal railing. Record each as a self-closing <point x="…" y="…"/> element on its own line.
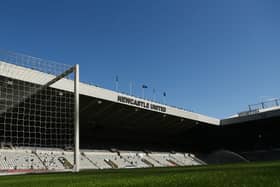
<point x="265" y="104"/>
<point x="255" y="108"/>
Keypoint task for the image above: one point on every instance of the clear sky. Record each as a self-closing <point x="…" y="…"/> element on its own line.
<point x="212" y="56"/>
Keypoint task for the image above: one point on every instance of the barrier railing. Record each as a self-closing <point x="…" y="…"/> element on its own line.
<point x="265" y="104"/>
<point x="255" y="108"/>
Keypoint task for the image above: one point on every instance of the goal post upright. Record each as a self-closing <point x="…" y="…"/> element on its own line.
<point x="76" y="149"/>
<point x="76" y="120"/>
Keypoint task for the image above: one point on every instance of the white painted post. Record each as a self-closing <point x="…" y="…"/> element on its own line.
<point x="76" y="121"/>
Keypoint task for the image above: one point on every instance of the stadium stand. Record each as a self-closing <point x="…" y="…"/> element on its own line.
<point x="86" y="163"/>
<point x="186" y="159"/>
<point x="97" y="159"/>
<point x="134" y="159"/>
<point x="61" y="160"/>
<point x="174" y="159"/>
<point x="163" y="159"/>
<point x="19" y="160"/>
<point x="55" y="159"/>
<point x="37" y="125"/>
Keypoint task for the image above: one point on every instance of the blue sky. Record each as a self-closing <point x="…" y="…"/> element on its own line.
<point x="214" y="57"/>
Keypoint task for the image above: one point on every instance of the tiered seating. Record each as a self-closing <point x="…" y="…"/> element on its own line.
<point x="97" y="158"/>
<point x="134" y="159"/>
<point x="115" y="158"/>
<point x="19" y="160"/>
<point x="164" y="159"/>
<point x="51" y="159"/>
<point x="86" y="163"/>
<point x="184" y="159"/>
<point x="105" y="159"/>
<point x="152" y="162"/>
<point x="58" y="159"/>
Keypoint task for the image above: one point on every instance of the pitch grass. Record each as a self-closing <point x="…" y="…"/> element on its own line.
<point x="266" y="174"/>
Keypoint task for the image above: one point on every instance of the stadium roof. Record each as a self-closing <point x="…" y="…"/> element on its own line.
<point x="37" y="77"/>
<point x="95" y="92"/>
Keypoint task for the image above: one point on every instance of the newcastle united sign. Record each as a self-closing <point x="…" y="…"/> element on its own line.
<point x="141" y="104"/>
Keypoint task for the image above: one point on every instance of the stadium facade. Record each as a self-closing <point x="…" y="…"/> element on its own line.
<point x="49" y="121"/>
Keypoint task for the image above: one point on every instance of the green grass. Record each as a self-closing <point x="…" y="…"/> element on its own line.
<point x="240" y="175"/>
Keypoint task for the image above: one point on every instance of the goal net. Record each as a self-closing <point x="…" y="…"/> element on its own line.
<point x="37" y="102"/>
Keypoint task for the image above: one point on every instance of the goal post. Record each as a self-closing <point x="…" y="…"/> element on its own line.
<point x="39" y="103"/>
<point x="75" y="70"/>
<point x="76" y="120"/>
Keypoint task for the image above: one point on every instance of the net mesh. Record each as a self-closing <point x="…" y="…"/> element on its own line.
<point x="32" y="114"/>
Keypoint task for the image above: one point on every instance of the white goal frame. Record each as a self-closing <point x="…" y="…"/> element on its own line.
<point x="52" y="73"/>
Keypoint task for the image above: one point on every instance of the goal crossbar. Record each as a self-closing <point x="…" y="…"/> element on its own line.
<point x="61" y="76"/>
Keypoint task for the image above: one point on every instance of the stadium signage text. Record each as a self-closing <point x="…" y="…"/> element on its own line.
<point x="141" y="104"/>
